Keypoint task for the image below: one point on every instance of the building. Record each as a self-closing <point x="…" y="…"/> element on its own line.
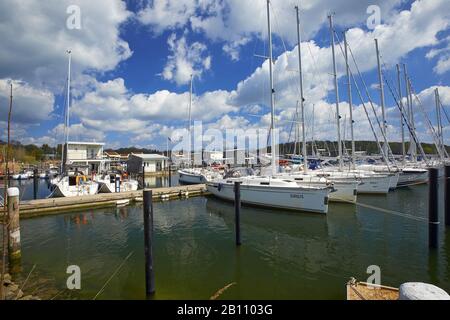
<point x="117" y="161"/>
<point x="152" y="163"/>
<point x="86" y="155"/>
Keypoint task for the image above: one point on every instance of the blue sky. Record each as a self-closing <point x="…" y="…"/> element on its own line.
<point x="132" y="61"/>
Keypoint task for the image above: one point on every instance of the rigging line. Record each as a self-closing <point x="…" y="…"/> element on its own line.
<point x="445" y="112"/>
<point x="430" y="125"/>
<point x="410" y="128"/>
<point x="386" y="157"/>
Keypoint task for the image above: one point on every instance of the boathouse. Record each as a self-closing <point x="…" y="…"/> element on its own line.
<point x="152" y="163"/>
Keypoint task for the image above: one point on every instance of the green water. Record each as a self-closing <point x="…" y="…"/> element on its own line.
<point x="283" y="255"/>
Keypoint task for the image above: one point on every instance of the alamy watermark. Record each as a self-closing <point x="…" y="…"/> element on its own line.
<point x="74" y="280"/>
<point x="374" y="18"/>
<point x="73" y="21"/>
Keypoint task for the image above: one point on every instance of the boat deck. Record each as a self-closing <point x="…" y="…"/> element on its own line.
<point x="367" y="291"/>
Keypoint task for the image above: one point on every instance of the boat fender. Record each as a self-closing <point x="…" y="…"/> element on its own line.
<point x="421" y="291"/>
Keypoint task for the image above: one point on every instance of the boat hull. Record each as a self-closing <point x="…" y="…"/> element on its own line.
<point x="190" y="178"/>
<point x="281" y="198"/>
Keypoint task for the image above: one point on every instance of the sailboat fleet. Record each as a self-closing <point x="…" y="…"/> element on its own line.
<point x="299" y="187"/>
<point x="308" y="190"/>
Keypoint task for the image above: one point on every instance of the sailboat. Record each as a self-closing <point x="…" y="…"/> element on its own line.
<point x="191" y="175"/>
<point x="75" y="184"/>
<point x="343" y="190"/>
<point x="272" y="191"/>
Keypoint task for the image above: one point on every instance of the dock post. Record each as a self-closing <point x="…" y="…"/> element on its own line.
<point x="447" y="195"/>
<point x="148" y="237"/>
<point x="14" y="247"/>
<point x="143" y="176"/>
<point x="35" y="183"/>
<point x="433" y="217"/>
<point x="237" y="211"/>
<point x="170" y="177"/>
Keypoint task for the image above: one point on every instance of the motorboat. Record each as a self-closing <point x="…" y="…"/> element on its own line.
<point x="111" y="183"/>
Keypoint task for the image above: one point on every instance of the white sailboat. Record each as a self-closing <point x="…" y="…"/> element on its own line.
<point x="272" y="191"/>
<point x="76" y="184"/>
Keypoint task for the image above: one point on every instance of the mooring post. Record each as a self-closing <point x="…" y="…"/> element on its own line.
<point x="433" y="217"/>
<point x="170" y="177"/>
<point x="237" y="211"/>
<point x="35" y="183"/>
<point x="13" y="227"/>
<point x="447" y="195"/>
<point x="148" y="237"/>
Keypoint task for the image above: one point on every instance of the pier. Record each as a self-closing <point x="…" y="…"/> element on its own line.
<point x="40" y="207"/>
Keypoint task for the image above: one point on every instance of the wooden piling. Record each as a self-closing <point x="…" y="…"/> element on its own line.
<point x="148" y="237"/>
<point x="447" y="195"/>
<point x="237" y="211"/>
<point x="433" y="217"/>
<point x="14" y="247"/>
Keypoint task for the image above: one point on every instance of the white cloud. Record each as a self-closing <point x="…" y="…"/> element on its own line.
<point x="185" y="60"/>
<point x="35" y="39"/>
<point x="30" y="105"/>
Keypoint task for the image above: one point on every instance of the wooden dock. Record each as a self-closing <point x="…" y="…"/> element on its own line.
<point x="34" y="208"/>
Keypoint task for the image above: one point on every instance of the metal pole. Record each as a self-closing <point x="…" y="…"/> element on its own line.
<point x="401" y="116"/>
<point x="433" y="217"/>
<point x="350" y="101"/>
<point x="148" y="242"/>
<point x="272" y="95"/>
<point x="383" y="112"/>
<point x="190" y="122"/>
<point x="237" y="211"/>
<point x="439" y="123"/>
<point x="302" y="97"/>
<point x="336" y="90"/>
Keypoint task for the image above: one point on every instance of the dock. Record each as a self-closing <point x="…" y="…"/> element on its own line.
<point x="49" y="206"/>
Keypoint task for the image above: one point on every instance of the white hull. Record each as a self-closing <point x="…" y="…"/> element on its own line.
<point x="412" y="177"/>
<point x="191" y="177"/>
<point x="277" y="194"/>
<point x="371" y="183"/>
<point x="63" y="189"/>
<point x="343" y="191"/>
<point x="108" y="187"/>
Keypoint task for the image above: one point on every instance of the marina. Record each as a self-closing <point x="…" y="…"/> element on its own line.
<point x="156" y="156"/>
<point x="308" y="256"/>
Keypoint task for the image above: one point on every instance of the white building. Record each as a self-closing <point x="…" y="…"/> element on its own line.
<point x="87" y="155"/>
<point x="152" y="163"/>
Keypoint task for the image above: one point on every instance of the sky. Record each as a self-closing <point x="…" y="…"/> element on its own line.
<point x="132" y="61"/>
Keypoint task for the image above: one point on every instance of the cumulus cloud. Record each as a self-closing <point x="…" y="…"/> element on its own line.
<point x="35" y="39"/>
<point x="30" y="105"/>
<point x="185" y="60"/>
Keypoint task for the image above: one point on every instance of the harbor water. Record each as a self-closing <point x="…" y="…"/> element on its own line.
<point x="284" y="255"/>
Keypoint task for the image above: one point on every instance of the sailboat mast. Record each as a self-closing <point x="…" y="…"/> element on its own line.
<point x="402" y="125"/>
<point x="302" y="98"/>
<point x="336" y="89"/>
<point x="383" y="107"/>
<point x="272" y="94"/>
<point x="439" y="121"/>
<point x="409" y="113"/>
<point x="190" y="121"/>
<point x="67" y="118"/>
<point x="411" y="120"/>
<point x="350" y="101"/>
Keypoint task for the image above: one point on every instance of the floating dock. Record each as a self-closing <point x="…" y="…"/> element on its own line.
<point x="40" y="207"/>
